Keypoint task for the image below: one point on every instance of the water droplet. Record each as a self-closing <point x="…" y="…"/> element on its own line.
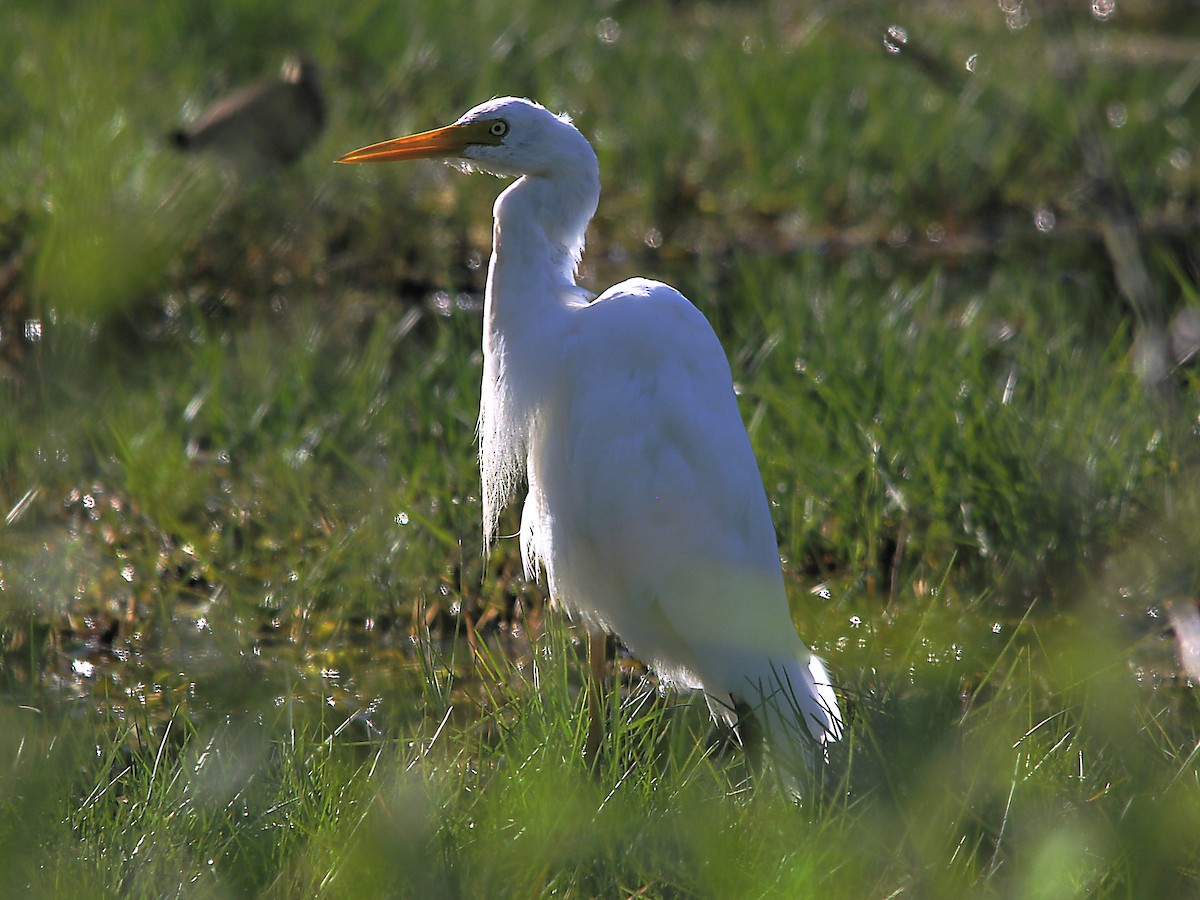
<point x="1104" y="9"/>
<point x="609" y="31"/>
<point x="972" y="62"/>
<point x="1016" y="16"/>
<point x="653" y="238"/>
<point x="401" y="518"/>
<point x="1117" y="114"/>
<point x="468" y="302"/>
<point x="894" y="39"/>
<point x="33" y="330"/>
<point x="1179" y="128"/>
<point x="1179" y="158"/>
<point x="996" y="628"/>
<point x="1044" y="219"/>
<point x="855" y="621"/>
<point x="440" y="301"/>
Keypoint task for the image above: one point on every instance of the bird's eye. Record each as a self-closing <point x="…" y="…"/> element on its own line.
<point x="499" y="128"/>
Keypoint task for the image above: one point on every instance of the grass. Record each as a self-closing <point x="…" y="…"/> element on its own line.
<point x="242" y="513"/>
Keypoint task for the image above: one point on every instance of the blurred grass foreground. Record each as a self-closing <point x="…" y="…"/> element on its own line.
<point x="249" y="645"/>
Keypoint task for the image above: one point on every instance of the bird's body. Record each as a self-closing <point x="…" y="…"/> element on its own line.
<point x="644" y="503"/>
<point x="262" y="126"/>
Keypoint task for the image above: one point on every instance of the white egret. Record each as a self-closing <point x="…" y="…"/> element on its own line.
<point x="644" y="503"/>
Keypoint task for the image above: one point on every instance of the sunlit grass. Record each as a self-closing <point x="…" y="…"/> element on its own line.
<point x="237" y="470"/>
<point x="1040" y="781"/>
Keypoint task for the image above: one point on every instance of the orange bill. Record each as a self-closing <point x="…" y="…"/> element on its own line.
<point x="439" y="143"/>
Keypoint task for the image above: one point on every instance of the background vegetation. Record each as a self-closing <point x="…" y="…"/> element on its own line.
<point x="241" y="539"/>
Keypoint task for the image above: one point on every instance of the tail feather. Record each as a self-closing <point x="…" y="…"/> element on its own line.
<point x="793" y="706"/>
<point x="823" y="715"/>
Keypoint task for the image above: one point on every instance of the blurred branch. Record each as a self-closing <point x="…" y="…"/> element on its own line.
<point x="1121" y="229"/>
<point x="1120" y="224"/>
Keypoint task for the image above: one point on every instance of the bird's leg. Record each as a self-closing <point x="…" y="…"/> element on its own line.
<point x="745" y="733"/>
<point x="597" y="645"/>
<point x="750" y="734"/>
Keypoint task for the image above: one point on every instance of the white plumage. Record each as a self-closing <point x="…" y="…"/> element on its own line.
<point x="645" y="506"/>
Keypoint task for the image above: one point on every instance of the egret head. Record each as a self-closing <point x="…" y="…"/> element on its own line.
<point x="507" y="136"/>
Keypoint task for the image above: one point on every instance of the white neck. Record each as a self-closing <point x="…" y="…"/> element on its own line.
<point x="538" y="235"/>
<point x="539" y="224"/>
